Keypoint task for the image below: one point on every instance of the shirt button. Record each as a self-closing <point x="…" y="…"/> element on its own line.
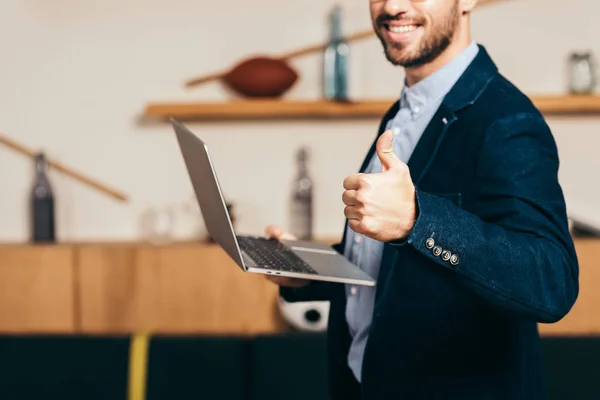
<point x="357" y="239"/>
<point x="396" y="130"/>
<point x="417" y="110"/>
<point x="353" y="290"/>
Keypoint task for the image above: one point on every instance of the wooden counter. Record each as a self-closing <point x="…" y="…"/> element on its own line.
<point x="36" y="289"/>
<point x="584" y="318"/>
<point x="177" y="289"/>
<point x="172" y="289"/>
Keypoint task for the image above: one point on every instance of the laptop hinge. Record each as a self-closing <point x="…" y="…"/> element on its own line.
<point x="248" y="262"/>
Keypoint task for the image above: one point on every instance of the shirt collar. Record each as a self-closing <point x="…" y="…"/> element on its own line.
<point x="437" y="85"/>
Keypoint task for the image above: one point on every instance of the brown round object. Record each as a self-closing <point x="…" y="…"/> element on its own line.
<point x="261" y="77"/>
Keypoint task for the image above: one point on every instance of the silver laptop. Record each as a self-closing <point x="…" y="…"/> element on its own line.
<point x="295" y="259"/>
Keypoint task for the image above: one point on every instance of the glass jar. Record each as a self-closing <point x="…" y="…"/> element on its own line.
<point x="582" y="73"/>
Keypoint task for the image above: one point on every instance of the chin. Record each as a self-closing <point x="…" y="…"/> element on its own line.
<point x="419" y="50"/>
<point x="416" y="54"/>
<point x="402" y="57"/>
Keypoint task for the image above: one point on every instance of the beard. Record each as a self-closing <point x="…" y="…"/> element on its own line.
<point x="433" y="43"/>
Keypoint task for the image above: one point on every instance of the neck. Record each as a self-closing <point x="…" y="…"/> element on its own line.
<point x="460" y="42"/>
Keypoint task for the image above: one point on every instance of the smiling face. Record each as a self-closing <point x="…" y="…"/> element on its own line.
<point x="415" y="32"/>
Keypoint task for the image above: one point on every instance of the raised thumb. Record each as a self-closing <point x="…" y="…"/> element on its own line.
<point x="385" y="151"/>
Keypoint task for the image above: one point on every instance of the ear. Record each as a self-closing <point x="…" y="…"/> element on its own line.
<point x="466" y="6"/>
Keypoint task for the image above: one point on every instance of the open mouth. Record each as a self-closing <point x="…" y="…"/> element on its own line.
<point x="401" y="28"/>
<point x="401" y="32"/>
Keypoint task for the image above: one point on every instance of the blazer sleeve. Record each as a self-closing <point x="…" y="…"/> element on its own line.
<point x="314" y="291"/>
<point x="515" y="250"/>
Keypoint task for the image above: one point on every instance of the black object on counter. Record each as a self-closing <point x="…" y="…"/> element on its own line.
<point x="43" y="221"/>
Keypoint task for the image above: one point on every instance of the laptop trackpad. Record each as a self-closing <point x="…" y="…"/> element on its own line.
<point x="326" y="261"/>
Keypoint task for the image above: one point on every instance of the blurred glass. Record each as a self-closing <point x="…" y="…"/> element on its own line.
<point x="582" y="73"/>
<point x="158" y="225"/>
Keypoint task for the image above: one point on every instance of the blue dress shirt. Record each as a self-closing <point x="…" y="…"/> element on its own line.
<point x="418" y="104"/>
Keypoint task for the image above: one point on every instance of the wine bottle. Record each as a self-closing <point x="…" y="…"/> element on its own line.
<point x="302" y="199"/>
<point x="42" y="210"/>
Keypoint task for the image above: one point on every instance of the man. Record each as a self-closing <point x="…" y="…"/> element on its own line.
<point x="458" y="213"/>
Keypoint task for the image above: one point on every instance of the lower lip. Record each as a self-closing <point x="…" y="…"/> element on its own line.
<point x="402" y="36"/>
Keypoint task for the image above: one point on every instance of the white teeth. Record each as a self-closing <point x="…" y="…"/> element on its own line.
<point x="402" y="29"/>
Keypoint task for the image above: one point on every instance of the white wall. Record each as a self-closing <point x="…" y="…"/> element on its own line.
<point x="75" y="76"/>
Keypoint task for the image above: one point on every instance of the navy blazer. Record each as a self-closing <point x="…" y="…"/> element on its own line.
<point x="487" y="192"/>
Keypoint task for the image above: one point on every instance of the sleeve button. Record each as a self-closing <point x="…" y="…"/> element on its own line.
<point x="429" y="243"/>
<point x="437" y="250"/>
<point x="445" y="255"/>
<point x="454" y="259"/>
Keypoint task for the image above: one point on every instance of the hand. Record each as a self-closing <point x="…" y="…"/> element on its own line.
<point x="276" y="232"/>
<point x="381" y="206"/>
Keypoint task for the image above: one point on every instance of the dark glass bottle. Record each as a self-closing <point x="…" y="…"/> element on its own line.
<point x="302" y="199"/>
<point x="335" y="60"/>
<point x="42" y="210"/>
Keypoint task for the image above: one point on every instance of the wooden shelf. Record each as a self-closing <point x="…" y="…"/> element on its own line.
<point x="269" y="109"/>
<point x="568" y="104"/>
<point x="322" y="109"/>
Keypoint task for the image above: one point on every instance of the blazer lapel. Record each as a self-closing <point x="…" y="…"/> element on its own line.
<point x="464" y="93"/>
<point x="429" y="143"/>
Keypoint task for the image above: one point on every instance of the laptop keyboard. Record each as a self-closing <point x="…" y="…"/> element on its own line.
<point x="271" y="254"/>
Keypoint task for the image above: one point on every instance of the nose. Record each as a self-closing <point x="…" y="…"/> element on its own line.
<point x="395" y="7"/>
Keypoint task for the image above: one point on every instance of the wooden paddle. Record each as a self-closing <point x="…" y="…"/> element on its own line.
<point x="283" y="58"/>
<point x="19" y="148"/>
